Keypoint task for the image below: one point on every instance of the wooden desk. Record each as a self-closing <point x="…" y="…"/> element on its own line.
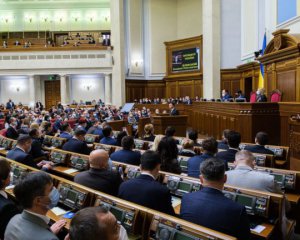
<point x="162" y="122"/>
<point x="3" y="152"/>
<point x="55" y="218"/>
<point x="293" y="198"/>
<point x="61" y="171"/>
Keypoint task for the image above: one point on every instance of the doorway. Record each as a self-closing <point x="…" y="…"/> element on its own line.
<point x="248" y="87"/>
<point x="52" y="93"/>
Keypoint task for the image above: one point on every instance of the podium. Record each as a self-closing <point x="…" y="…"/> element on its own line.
<point x="179" y="122"/>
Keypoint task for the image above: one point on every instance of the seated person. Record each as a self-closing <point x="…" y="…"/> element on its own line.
<point x="36" y="195"/>
<point x="98" y="177"/>
<point x="187" y="148"/>
<point x="126" y="155"/>
<point x="120" y="136"/>
<point x="94" y="223"/>
<point x="77" y="143"/>
<point x="210" y="208"/>
<point x="21" y="153"/>
<point x="36" y="145"/>
<point x="225" y="95"/>
<point x="107" y="136"/>
<point x="66" y="131"/>
<point x="168" y="151"/>
<point x="234" y="140"/>
<point x="7" y="207"/>
<point x="149" y="136"/>
<point x="173" y="110"/>
<point x="47" y="129"/>
<point x="260" y="95"/>
<point x="223" y="144"/>
<point x="244" y="175"/>
<point x="239" y="94"/>
<point x="209" y="146"/>
<point x="145" y="190"/>
<point x="261" y="139"/>
<point x="12" y="129"/>
<point x="193" y="135"/>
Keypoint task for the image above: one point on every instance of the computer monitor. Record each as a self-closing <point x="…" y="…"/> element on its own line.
<point x="119" y="213"/>
<point x="183" y="236"/>
<point x="279" y="178"/>
<point x="127" y="107"/>
<point x="72" y="196"/>
<point x="245" y="200"/>
<point x="185" y="187"/>
<point x="241" y="100"/>
<point x="88" y="103"/>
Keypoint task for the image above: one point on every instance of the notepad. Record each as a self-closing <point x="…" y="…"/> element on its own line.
<point x="2" y="148"/>
<point x="258" y="229"/>
<point x="176" y="201"/>
<point x="58" y="211"/>
<point x="70" y="171"/>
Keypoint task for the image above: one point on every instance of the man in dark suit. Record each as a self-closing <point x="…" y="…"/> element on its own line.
<point x="173" y="110"/>
<point x="225" y="95"/>
<point x="77" y="144"/>
<point x="209" y="147"/>
<point x="39" y="105"/>
<point x="126" y="155"/>
<point x="261" y="139"/>
<point x="234" y="140"/>
<point x="36" y="146"/>
<point x="65" y="131"/>
<point x="144" y="190"/>
<point x="210" y="208"/>
<point x="223" y="144"/>
<point x="107" y="139"/>
<point x="98" y="177"/>
<point x="10" y="104"/>
<point x="7" y="208"/>
<point x="21" y="153"/>
<point x="12" y="129"/>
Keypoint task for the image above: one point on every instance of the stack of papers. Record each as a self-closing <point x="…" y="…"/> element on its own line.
<point x="258" y="229"/>
<point x="70" y="171"/>
<point x="58" y="211"/>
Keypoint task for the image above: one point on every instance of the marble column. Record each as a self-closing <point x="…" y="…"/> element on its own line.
<point x="63" y="90"/>
<point x="117" y="40"/>
<point x="108" y="93"/>
<point x="32" y="95"/>
<point x="211" y="48"/>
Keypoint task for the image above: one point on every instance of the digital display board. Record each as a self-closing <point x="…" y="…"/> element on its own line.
<point x="186" y="60"/>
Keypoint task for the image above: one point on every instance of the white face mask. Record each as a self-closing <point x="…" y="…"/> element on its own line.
<point x="257" y="92"/>
<point x="123" y="233"/>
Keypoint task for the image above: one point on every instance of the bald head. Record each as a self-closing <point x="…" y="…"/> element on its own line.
<point x="244" y="157"/>
<point x="99" y="159"/>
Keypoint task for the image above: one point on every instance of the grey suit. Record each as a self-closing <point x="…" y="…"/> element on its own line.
<point x="26" y="226"/>
<point x="246" y="177"/>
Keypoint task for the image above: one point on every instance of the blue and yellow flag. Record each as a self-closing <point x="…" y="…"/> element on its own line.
<point x="261" y="73"/>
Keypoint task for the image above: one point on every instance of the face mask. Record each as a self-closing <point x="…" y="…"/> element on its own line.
<point x="123" y="233"/>
<point x="223" y="94"/>
<point x="54" y="198"/>
<point x="257" y="92"/>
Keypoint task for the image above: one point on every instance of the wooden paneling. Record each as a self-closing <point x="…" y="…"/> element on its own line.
<point x="231" y="80"/>
<point x="52" y="93"/>
<point x="286" y="82"/>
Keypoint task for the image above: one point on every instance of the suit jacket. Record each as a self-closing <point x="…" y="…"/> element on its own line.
<point x="228" y="155"/>
<point x="101" y="180"/>
<point x="10" y="105"/>
<point x="66" y="135"/>
<point x="127" y="156"/>
<point x="77" y="146"/>
<point x="12" y="133"/>
<point x="108" y="141"/>
<point x="171" y="166"/>
<point x="210" y="208"/>
<point x="20" y="156"/>
<point x="222" y="145"/>
<point x="36" y="148"/>
<point x="39" y="105"/>
<point x="174" y="112"/>
<point x="145" y="191"/>
<point x="246" y="177"/>
<point x="150" y="138"/>
<point x="261" y="98"/>
<point x="258" y="149"/>
<point x="194" y="164"/>
<point x="7" y="210"/>
<point x="27" y="226"/>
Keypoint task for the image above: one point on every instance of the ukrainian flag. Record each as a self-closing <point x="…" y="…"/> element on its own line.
<point x="261" y="73"/>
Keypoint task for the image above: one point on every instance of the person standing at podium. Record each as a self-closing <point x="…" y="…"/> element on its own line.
<point x="173" y="110"/>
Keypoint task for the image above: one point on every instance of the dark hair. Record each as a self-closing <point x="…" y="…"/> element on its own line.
<point x="47" y="125"/>
<point x="168" y="150"/>
<point x="234" y="139"/>
<point x="80" y="132"/>
<point x="107" y="131"/>
<point x="150" y="160"/>
<point x="225" y="133"/>
<point x="170" y="131"/>
<point x="4" y="171"/>
<point x="64" y="126"/>
<point x="212" y="169"/>
<point x="23" y="138"/>
<point x="120" y="136"/>
<point x="33" y="132"/>
<point x="262" y="138"/>
<point x="193" y="135"/>
<point x="85" y="224"/>
<point x="32" y="186"/>
<point x="127" y="142"/>
<point x="210" y="145"/>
